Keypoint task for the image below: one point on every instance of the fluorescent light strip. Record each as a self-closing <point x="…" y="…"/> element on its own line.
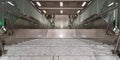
<point x="78" y="11"/>
<point x="61" y="11"/>
<point x="61" y="4"/>
<point x="84" y="3"/>
<point x="38" y="3"/>
<point x="44" y="11"/>
<point x="10" y="3"/>
<point x="110" y="4"/>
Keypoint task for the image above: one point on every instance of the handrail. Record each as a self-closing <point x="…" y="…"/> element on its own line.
<point x="91" y="18"/>
<point x="100" y="14"/>
<point x="109" y="10"/>
<point x="107" y="31"/>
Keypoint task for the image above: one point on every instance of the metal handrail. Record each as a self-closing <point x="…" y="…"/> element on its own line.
<point x="109" y="10"/>
<point x="100" y="14"/>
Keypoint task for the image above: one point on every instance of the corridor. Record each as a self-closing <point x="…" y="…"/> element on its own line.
<point x="59" y="29"/>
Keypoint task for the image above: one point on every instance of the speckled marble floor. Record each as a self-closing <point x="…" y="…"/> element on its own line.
<point x="59" y="49"/>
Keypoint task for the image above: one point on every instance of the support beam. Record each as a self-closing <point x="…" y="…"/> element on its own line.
<point x="46" y="8"/>
<point x="60" y="0"/>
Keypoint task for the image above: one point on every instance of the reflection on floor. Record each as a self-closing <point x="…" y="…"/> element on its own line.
<point x="28" y="34"/>
<point x="61" y="33"/>
<point x="59" y="49"/>
<point x="56" y="33"/>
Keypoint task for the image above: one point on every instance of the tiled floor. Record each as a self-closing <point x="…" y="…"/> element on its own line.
<point x="59" y="49"/>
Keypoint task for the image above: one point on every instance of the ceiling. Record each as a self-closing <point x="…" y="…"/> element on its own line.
<point x="52" y="7"/>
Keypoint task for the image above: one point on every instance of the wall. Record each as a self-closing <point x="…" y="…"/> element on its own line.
<point x="61" y="21"/>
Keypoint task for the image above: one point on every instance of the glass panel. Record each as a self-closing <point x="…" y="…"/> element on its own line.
<point x="101" y="6"/>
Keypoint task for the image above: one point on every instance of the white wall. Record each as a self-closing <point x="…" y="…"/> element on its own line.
<point x="61" y="21"/>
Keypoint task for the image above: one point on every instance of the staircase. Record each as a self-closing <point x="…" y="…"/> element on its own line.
<point x="59" y="49"/>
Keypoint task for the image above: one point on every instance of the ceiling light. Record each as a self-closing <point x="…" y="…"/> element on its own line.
<point x="44" y="11"/>
<point x="84" y="3"/>
<point x="61" y="11"/>
<point x="78" y="11"/>
<point x="61" y="4"/>
<point x="38" y="3"/>
<point x="110" y="4"/>
<point x="10" y="3"/>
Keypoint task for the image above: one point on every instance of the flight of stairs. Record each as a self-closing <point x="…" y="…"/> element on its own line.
<point x="59" y="49"/>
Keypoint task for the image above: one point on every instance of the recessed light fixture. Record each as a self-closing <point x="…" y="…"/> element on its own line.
<point x="111" y="4"/>
<point x="78" y="11"/>
<point x="10" y="3"/>
<point x="44" y="11"/>
<point x="61" y="11"/>
<point x="84" y="3"/>
<point x="61" y="4"/>
<point x="38" y="3"/>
